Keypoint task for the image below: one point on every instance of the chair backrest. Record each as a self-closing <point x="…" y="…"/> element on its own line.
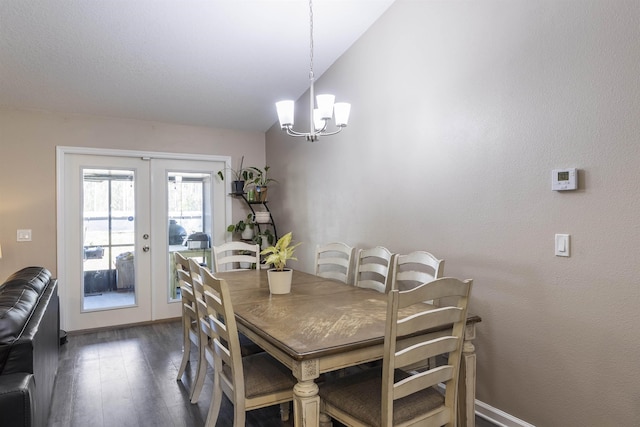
<point x="407" y="316"/>
<point x="372" y="269"/>
<point x="414" y="269"/>
<point x="194" y="269"/>
<point x="228" y="358"/>
<point x="227" y="256"/>
<point x="182" y="263"/>
<point x="333" y="261"/>
<point x="188" y="300"/>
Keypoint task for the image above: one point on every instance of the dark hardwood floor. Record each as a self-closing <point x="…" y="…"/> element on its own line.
<point x="127" y="377"/>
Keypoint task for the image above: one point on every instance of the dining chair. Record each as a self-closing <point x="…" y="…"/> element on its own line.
<point x="246" y="345"/>
<point x="249" y="382"/>
<point x="333" y="261"/>
<point x="414" y="269"/>
<point x="227" y="256"/>
<point x="190" y="328"/>
<point x="396" y="395"/>
<point x="372" y="268"/>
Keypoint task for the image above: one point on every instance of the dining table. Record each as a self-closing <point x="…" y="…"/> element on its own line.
<point x="324" y="325"/>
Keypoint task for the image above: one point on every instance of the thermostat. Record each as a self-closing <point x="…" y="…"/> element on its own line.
<point x="564" y="179"/>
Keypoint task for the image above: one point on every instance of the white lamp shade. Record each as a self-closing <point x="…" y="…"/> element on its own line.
<point x="0" y="252"/>
<point x="325" y="105"/>
<point x="341" y="111"/>
<point x="285" y="113"/>
<point x="318" y="121"/>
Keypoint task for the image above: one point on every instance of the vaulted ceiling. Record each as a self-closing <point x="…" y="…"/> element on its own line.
<point x="219" y="63"/>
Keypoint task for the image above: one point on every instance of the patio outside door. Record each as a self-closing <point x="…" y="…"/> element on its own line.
<point x="124" y="218"/>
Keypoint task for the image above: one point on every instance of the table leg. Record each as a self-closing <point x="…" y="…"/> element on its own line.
<point x="306" y="402"/>
<point x="467" y="381"/>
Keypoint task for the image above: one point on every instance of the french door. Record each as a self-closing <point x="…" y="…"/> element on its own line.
<point x="121" y="219"/>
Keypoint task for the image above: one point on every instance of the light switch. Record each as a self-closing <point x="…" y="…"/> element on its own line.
<point x="24" y="235"/>
<point x="563" y="247"/>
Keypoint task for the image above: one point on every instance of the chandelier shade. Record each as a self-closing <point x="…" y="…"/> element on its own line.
<point x="320" y="113"/>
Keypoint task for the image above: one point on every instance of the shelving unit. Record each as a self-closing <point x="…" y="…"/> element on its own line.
<point x="259" y="225"/>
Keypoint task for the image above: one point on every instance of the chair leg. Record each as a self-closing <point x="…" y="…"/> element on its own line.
<point x="201" y="373"/>
<point x="186" y="350"/>
<point x="216" y="401"/>
<point x="284" y="411"/>
<point x="239" y="415"/>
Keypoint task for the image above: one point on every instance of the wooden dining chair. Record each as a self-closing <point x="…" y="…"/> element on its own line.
<point x="372" y="269"/>
<point x="229" y="255"/>
<point x="249" y="382"/>
<point x="396" y="395"/>
<point x="414" y="269"/>
<point x="333" y="261"/>
<point x="190" y="328"/>
<point x="247" y="346"/>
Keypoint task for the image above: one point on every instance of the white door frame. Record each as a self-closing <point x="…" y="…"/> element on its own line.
<point x="62" y="249"/>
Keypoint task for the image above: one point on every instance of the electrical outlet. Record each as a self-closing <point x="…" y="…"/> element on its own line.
<point x="24" y="235"/>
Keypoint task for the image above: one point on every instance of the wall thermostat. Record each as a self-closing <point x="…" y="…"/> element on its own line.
<point x="564" y="179"/>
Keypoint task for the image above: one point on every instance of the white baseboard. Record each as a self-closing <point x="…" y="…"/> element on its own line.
<point x="498" y="417"/>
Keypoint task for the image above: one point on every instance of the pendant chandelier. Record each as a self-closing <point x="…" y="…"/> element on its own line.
<point x="318" y="117"/>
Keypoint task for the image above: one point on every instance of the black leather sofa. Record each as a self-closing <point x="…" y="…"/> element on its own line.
<point x="29" y="346"/>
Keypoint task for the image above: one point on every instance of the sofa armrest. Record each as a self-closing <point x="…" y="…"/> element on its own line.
<point x="16" y="399"/>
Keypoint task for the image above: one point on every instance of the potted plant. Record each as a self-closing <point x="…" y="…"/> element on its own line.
<point x="241" y="176"/>
<point x="261" y="181"/>
<point x="245" y="227"/>
<point x="264" y="238"/>
<point x="279" y="276"/>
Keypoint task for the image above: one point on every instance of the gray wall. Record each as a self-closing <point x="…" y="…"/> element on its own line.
<point x="460" y="110"/>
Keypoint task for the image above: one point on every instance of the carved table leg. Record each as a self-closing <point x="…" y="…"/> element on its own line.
<point x="306" y="402"/>
<point x="467" y="381"/>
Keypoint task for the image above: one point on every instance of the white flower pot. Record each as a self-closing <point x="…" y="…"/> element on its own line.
<point x="280" y="281"/>
<point x="247" y="234"/>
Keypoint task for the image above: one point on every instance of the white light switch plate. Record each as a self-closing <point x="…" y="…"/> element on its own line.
<point x="24" y="235"/>
<point x="563" y="245"/>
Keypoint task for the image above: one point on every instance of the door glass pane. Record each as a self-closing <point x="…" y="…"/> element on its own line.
<point x="189" y="225"/>
<point x="108" y="200"/>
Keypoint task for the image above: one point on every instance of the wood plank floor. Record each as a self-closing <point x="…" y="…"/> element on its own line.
<point x="127" y="377"/>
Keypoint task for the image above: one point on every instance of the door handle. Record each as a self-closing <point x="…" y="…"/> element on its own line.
<point x="145" y="249"/>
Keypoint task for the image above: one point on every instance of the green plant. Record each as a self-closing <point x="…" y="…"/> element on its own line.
<point x="266" y="234"/>
<point x="240" y="174"/>
<point x="281" y="252"/>
<point x="241" y="225"/>
<point x="261" y="177"/>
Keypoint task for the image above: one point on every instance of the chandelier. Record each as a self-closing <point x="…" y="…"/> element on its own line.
<point x="318" y="117"/>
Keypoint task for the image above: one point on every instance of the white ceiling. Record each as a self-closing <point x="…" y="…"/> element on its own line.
<point x="219" y="63"/>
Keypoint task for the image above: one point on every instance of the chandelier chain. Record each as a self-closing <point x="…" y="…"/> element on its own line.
<point x="311" y="39"/>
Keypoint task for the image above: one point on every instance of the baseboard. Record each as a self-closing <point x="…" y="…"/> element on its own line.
<point x="498" y="417"/>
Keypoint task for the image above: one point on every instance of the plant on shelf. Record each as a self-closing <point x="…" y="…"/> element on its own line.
<point x="244" y="226"/>
<point x="241" y="177"/>
<point x="265" y="236"/>
<point x="279" y="276"/>
<point x="261" y="180"/>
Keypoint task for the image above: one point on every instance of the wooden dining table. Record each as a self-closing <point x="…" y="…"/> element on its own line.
<point x="324" y="325"/>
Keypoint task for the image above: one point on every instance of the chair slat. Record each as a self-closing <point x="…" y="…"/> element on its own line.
<point x="444" y="287"/>
<point x="427" y="320"/>
<point x="422" y="380"/>
<point x="423" y="351"/>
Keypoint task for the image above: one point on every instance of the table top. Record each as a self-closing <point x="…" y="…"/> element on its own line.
<point x="318" y="318"/>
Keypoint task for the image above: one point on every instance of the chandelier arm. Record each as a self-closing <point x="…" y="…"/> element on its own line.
<point x="331" y="133"/>
<point x="292" y="132"/>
